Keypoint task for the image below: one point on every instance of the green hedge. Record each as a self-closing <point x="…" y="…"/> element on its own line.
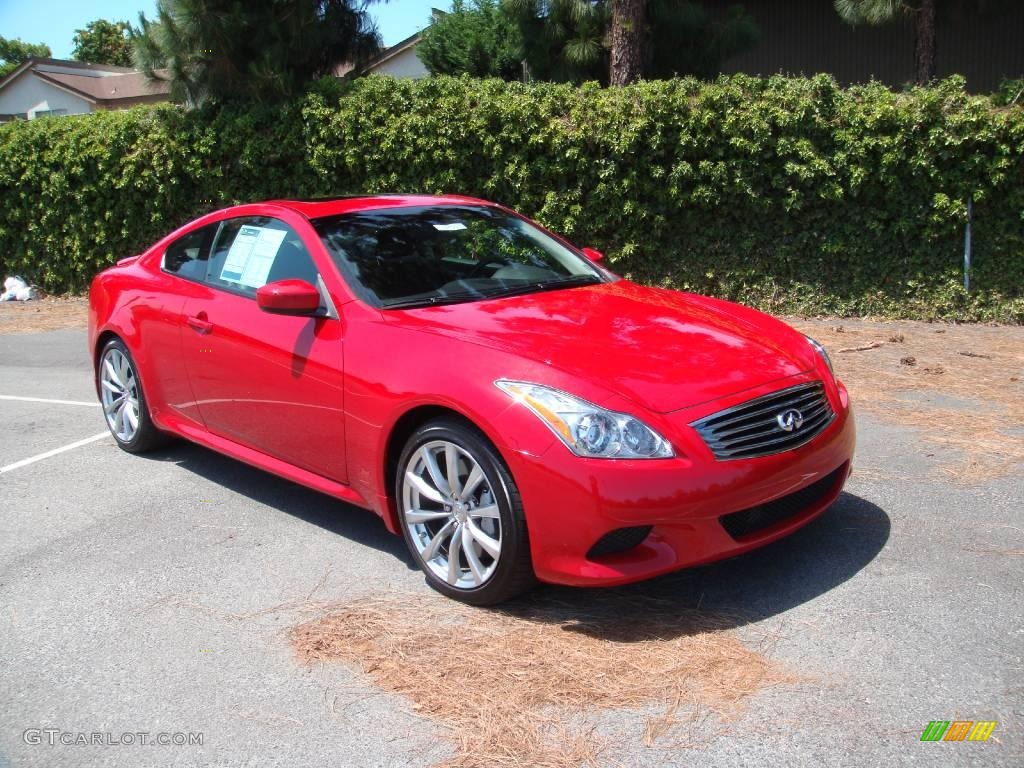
<point x="793" y="195"/>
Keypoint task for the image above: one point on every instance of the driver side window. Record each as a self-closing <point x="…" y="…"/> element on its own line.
<point x="251" y="251"/>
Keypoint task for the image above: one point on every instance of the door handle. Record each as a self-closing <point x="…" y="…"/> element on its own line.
<point x="199" y="323"/>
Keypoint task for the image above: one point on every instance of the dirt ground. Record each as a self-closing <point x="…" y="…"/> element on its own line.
<point x="47" y="314"/>
<point x="961" y="386"/>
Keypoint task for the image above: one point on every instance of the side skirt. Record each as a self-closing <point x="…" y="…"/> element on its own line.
<point x="266" y="463"/>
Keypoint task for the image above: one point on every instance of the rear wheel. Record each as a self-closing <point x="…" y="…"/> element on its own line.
<point x="124" y="402"/>
<point x="461" y="514"/>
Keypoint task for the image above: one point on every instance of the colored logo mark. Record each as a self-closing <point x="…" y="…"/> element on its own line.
<point x="958" y="730"/>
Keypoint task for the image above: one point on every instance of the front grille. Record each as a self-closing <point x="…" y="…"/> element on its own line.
<point x="753" y="428"/>
<point x="750" y="521"/>
<point x="619" y="540"/>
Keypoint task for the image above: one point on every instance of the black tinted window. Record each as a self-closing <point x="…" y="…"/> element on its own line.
<point x="446" y="252"/>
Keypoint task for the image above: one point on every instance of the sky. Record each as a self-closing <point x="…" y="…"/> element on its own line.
<point x="54" y="21"/>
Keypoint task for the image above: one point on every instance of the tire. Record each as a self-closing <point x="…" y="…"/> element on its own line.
<point x="488" y="513"/>
<point x="129" y="423"/>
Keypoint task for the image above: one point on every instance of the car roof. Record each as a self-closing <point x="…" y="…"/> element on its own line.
<point x="332" y="206"/>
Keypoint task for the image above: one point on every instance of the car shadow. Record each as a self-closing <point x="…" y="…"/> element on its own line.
<point x="724" y="595"/>
<point x="338" y="517"/>
<point x="729" y="594"/>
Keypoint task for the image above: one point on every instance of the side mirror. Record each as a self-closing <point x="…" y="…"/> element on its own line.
<point x="288" y="297"/>
<point x="595" y="256"/>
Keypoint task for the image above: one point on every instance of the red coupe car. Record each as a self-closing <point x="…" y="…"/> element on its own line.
<point x="515" y="410"/>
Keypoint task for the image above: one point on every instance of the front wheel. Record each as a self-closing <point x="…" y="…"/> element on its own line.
<point x="461" y="514"/>
<point x="124" y="403"/>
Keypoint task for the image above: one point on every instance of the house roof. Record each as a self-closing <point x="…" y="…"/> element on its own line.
<point x="130" y="85"/>
<point x="84" y="66"/>
<point x="94" y="82"/>
<point x="48" y="64"/>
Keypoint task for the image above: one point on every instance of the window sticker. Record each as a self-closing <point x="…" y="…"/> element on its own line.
<point x="251" y="256"/>
<point x="450" y="227"/>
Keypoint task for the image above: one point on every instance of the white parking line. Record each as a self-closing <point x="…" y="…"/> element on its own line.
<point x="54" y="452"/>
<point x="45" y="400"/>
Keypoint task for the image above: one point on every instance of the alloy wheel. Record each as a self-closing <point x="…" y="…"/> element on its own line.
<point x="451" y="514"/>
<point x="119" y="387"/>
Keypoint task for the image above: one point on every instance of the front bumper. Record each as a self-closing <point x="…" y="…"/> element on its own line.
<point x="571" y="503"/>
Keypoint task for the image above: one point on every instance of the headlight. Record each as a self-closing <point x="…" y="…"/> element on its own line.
<point x="587" y="429"/>
<point x="824" y="355"/>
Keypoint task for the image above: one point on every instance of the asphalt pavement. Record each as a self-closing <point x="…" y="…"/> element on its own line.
<point x="149" y="595"/>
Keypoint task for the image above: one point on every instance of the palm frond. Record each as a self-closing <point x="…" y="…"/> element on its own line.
<point x="870" y="11"/>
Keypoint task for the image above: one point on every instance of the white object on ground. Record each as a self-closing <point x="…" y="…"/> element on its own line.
<point x="16" y="289"/>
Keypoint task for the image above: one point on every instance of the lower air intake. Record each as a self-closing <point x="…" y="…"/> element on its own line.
<point x="748" y="522"/>
<point x="619" y="540"/>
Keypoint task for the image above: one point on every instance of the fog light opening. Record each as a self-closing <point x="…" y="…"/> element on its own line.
<point x="618" y="541"/>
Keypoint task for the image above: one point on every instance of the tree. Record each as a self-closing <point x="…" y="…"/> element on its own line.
<point x="883" y="11"/>
<point x="104" y="42"/>
<point x="476" y="39"/>
<point x="14" y="52"/>
<point x="563" y="40"/>
<point x="224" y="51"/>
<point x="619" y="41"/>
<point x="628" y="48"/>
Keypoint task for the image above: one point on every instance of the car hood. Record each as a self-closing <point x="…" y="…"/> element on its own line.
<point x="662" y="349"/>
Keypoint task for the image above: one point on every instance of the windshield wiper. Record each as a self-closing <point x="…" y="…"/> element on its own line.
<point x="574" y="281"/>
<point x="433" y="301"/>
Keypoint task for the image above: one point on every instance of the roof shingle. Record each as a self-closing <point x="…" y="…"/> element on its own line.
<point x="129" y="85"/>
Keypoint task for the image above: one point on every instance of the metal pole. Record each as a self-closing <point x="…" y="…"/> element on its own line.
<point x="967" y="245"/>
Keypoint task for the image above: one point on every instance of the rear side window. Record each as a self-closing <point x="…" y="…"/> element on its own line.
<point x="187" y="256"/>
<point x="252" y="251"/>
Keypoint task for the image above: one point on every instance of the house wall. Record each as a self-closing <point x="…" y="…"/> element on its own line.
<point x="404" y="64"/>
<point x="28" y="93"/>
<point x="981" y="41"/>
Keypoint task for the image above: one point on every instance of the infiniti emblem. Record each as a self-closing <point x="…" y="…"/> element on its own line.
<point x="790" y="420"/>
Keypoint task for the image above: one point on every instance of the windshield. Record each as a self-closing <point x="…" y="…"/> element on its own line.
<point x="427" y="255"/>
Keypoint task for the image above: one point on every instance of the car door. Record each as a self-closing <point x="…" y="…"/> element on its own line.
<point x="271" y="382"/>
